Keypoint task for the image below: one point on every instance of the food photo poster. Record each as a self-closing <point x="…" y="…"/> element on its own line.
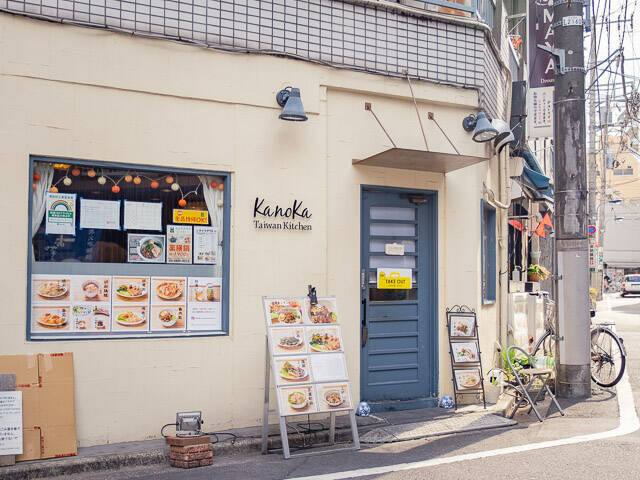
<point x="465" y="352"/>
<point x="462" y="325"/>
<point x="143" y="248"/>
<point x="468" y="379"/>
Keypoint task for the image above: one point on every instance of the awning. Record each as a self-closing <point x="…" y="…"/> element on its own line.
<point x="409" y="159"/>
<point x="533" y="177"/>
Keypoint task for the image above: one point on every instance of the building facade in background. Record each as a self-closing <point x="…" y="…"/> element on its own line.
<point x="169" y="136"/>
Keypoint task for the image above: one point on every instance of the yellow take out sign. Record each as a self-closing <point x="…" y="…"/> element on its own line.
<point x="394" y="278"/>
<point x="197" y="217"/>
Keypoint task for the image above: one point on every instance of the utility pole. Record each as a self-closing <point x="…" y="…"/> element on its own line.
<point x="592" y="150"/>
<point x="572" y="246"/>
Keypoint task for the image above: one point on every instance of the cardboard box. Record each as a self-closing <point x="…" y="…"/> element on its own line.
<point x="48" y="409"/>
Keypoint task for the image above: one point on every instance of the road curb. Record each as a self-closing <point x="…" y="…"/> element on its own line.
<point x="74" y="465"/>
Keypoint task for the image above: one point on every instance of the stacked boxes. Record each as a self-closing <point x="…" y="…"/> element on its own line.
<point x="190" y="452"/>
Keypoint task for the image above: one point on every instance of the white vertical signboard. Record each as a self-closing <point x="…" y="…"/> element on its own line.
<point x="10" y="423"/>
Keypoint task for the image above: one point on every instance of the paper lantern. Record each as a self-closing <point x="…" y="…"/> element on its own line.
<point x="34" y="187"/>
<point x="91" y="173"/>
<point x="75" y="172"/>
<point x="214" y="184"/>
<point x="66" y="181"/>
<point x="128" y="178"/>
<point x="137" y="180"/>
<point x="154" y="184"/>
<point x="221" y="187"/>
<point x="115" y="189"/>
<point x="182" y="202"/>
<point x="36" y="177"/>
<point x="102" y="180"/>
<point x="175" y="187"/>
<point x="169" y="179"/>
<point x="53" y="189"/>
<point x="220" y="203"/>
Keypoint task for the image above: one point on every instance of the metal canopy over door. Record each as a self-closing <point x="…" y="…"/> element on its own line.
<point x="399" y="331"/>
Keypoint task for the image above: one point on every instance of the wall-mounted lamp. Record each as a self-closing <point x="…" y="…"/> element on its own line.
<point x="504" y="136"/>
<point x="292" y="109"/>
<point x="482" y="129"/>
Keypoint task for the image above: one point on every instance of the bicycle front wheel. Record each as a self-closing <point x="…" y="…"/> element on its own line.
<point x="607" y="357"/>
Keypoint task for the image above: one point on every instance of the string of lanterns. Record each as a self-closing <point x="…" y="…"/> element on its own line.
<point x="102" y="179"/>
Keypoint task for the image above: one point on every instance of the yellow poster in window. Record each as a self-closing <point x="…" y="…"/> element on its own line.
<point x="196" y="217"/>
<point x="394" y="278"/>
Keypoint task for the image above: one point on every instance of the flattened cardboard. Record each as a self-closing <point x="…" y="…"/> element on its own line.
<point x="25" y="368"/>
<point x="30" y="445"/>
<point x="46" y="382"/>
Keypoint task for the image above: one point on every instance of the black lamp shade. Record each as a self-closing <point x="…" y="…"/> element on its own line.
<point x="292" y="110"/>
<point x="484" y="131"/>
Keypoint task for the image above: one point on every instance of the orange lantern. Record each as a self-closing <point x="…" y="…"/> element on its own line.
<point x="182" y="202"/>
<point x="75" y="172"/>
<point x="53" y="189"/>
<point x="128" y="178"/>
<point x="36" y="177"/>
<point x="221" y="187"/>
<point x="154" y="184"/>
<point x="169" y="179"/>
<point x="115" y="189"/>
<point x="214" y="184"/>
<point x="137" y="180"/>
<point x="91" y="173"/>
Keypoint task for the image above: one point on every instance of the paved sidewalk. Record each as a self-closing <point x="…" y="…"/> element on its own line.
<point x="136" y="459"/>
<point x="248" y="440"/>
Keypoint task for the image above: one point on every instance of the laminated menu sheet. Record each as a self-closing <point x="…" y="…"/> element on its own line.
<point x="307" y="355"/>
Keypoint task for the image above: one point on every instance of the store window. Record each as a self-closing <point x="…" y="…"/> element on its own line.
<point x="126" y="251"/>
<point x="488" y="234"/>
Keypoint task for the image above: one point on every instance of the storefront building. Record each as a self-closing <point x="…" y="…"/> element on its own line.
<point x="157" y="197"/>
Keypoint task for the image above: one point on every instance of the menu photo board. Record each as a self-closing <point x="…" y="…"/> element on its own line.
<point x="204" y="303"/>
<point x="307" y="355"/>
<point x="168" y="303"/>
<point x="90" y="305"/>
<point x="50" y="304"/>
<point x="130" y="304"/>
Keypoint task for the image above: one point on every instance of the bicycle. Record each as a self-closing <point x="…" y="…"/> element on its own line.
<point x="608" y="354"/>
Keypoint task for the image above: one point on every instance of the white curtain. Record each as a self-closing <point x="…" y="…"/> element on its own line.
<point x="214" y="197"/>
<point x="45" y="170"/>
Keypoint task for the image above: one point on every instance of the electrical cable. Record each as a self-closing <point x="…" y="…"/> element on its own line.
<point x="165" y="426"/>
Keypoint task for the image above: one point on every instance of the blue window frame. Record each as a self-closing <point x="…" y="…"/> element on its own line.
<point x="70" y="260"/>
<point x="488" y="239"/>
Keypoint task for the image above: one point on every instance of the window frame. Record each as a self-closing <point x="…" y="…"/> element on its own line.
<point x="488" y="246"/>
<point x="226" y="254"/>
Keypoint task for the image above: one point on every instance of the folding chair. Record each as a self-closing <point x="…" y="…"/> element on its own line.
<point x="524" y="391"/>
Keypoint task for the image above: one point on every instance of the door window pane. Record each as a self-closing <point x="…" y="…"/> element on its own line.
<point x="394" y="229"/>
<point x="392" y="213"/>
<point x="389" y="261"/>
<point x="387" y="295"/>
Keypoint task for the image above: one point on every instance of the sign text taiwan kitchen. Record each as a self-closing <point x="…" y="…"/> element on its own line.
<point x="271" y="216"/>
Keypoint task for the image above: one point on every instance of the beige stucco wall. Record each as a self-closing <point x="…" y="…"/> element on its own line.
<point x="86" y="94"/>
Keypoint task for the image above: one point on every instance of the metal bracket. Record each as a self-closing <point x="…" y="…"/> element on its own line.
<point x="560" y="56"/>
<point x="558" y="338"/>
<point x="555" y="277"/>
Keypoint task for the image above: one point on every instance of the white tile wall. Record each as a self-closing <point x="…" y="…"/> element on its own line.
<point x="335" y="32"/>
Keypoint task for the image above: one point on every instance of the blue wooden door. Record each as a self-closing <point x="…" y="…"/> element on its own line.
<point x="399" y="331"/>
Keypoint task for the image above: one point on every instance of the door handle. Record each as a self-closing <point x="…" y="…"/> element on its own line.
<point x="364" y="328"/>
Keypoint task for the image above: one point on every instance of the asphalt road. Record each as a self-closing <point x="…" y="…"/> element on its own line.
<point x="613" y="458"/>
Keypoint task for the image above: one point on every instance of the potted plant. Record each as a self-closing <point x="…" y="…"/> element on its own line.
<point x="537" y="273"/>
